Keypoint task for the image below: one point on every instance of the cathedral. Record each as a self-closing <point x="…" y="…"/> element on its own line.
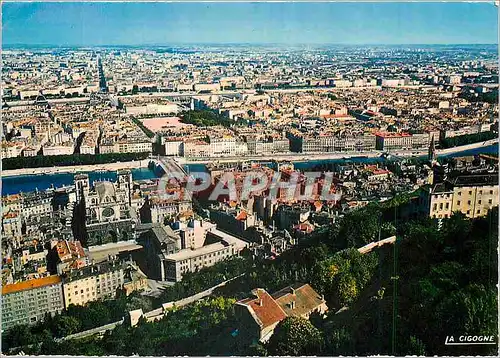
<point x="105" y="209"/>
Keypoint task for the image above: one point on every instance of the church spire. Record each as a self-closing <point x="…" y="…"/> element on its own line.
<point x="431" y="156"/>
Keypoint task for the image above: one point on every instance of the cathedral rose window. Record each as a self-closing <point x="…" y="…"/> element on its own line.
<point x="107" y="212"/>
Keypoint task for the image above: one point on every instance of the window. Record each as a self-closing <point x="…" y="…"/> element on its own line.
<point x="468" y="212"/>
<point x="434" y="207"/>
<point x="459" y="193"/>
<point x="447" y="205"/>
<point x="479" y="202"/>
<point x="480" y="192"/>
<point x="490" y="201"/>
<point x="478" y="211"/>
<point x="81" y="291"/>
<point x="458" y="202"/>
<point x="470" y="192"/>
<point x="440" y="206"/>
<point x="468" y="202"/>
<point x="491" y="191"/>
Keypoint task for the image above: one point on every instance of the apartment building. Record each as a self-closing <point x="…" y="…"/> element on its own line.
<point x="441" y="200"/>
<point x="91" y="283"/>
<point x="274" y="146"/>
<point x="197" y="148"/>
<point x="189" y="260"/>
<point x="37" y="204"/>
<point x="393" y="141"/>
<point x="174" y="147"/>
<point x="124" y="146"/>
<point x="29" y="301"/>
<point x="472" y="195"/>
<point x="332" y="143"/>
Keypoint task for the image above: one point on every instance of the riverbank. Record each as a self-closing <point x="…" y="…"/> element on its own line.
<point x="302" y="157"/>
<point x="293" y="157"/>
<point x="463" y="148"/>
<point x="136" y="164"/>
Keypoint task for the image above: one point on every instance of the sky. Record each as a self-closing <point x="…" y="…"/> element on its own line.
<point x="87" y="24"/>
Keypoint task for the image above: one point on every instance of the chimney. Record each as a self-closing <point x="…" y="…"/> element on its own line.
<point x="260" y="303"/>
<point x="292" y="305"/>
<point x="292" y="290"/>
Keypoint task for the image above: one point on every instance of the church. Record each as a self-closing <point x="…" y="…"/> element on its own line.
<point x="105" y="208"/>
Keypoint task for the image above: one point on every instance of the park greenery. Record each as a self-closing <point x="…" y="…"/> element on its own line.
<point x="205" y="118"/>
<point x="141" y="125"/>
<point x="295" y="336"/>
<point x="467" y="139"/>
<point x="74" y="319"/>
<point x="488" y="97"/>
<point x="41" y="161"/>
<point x="399" y="299"/>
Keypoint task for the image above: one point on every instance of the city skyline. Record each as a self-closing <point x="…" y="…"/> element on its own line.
<point x="125" y="24"/>
<point x="249" y="179"/>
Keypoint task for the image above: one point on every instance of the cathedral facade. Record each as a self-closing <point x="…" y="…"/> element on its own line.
<point x="108" y="216"/>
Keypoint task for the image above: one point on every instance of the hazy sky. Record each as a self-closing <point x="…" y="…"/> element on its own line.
<point x="315" y="23"/>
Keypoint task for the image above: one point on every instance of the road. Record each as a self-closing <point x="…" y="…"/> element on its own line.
<point x="294" y="157"/>
<point x="302" y="157"/>
<point x="77" y="168"/>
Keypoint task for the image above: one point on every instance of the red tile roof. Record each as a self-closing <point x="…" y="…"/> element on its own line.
<point x="305" y="299"/>
<point x="264" y="307"/>
<point x="392" y="134"/>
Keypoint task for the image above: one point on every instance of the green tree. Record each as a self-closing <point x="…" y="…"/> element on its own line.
<point x="136" y="301"/>
<point x="359" y="227"/>
<point x="295" y="336"/>
<point x="414" y="347"/>
<point x="65" y="325"/>
<point x="339" y="341"/>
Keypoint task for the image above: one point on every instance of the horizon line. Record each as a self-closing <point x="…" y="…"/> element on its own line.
<point x="245" y="43"/>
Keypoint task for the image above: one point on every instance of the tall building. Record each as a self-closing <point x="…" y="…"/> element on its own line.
<point x="172" y="253"/>
<point x="432" y="156"/>
<point x="472" y="195"/>
<point x="96" y="282"/>
<point x="28" y="302"/>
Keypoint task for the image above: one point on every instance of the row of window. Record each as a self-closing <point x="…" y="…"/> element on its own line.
<point x="447" y="205"/>
<point x="480" y="192"/>
<point x="445" y="216"/>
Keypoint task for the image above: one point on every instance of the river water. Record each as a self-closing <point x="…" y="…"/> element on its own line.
<point x="26" y="183"/>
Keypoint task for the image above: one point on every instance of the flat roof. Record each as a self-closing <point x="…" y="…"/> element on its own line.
<point x="31" y="284"/>
<point x="228" y="238"/>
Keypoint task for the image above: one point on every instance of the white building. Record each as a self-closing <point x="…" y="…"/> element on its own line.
<point x="188" y="260"/>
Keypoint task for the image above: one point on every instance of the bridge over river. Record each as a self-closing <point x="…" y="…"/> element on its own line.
<point x="164" y="165"/>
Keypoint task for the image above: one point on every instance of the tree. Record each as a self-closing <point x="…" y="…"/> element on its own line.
<point x="339" y="341"/>
<point x="472" y="310"/>
<point x="359" y="227"/>
<point x="17" y="336"/>
<point x="257" y="350"/>
<point x="136" y="301"/>
<point x="295" y="336"/>
<point x="65" y="325"/>
<point x="342" y="277"/>
<point x="414" y="346"/>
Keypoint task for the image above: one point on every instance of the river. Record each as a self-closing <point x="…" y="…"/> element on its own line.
<point x="26" y="183"/>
